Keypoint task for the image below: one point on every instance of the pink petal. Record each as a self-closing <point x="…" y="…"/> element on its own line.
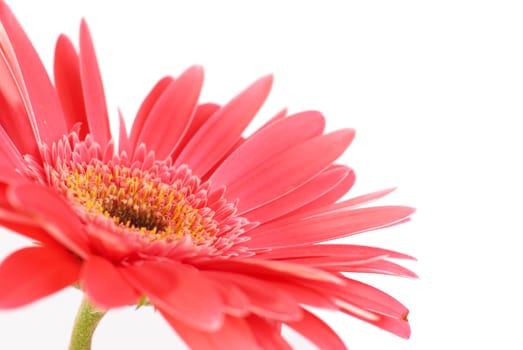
<point x="227" y="154"/>
<point x="278" y="116"/>
<point x="179" y="291"/>
<point x="317" y="331"/>
<point x="201" y="116"/>
<point x="234" y="334"/>
<point x="14" y="220"/>
<point x="305" y="295"/>
<point x="104" y="284"/>
<point x="288" y="170"/>
<point x="268" y="142"/>
<point x="372" y="306"/>
<point x="33" y="86"/>
<point x="332" y="263"/>
<point x="33" y="273"/>
<point x="238" y="143"/>
<point x="114" y="245"/>
<point x="338" y="191"/>
<point x="397" y="326"/>
<point x="330" y="250"/>
<point x="328" y="226"/>
<point x="34" y="233"/>
<point x="364" y="199"/>
<point x="69" y="84"/>
<point x="93" y="90"/>
<point x="24" y="226"/>
<point x="383" y="267"/>
<point x="267" y="334"/>
<point x="234" y="301"/>
<point x="51" y="213"/>
<point x="273" y="269"/>
<point x="172" y="113"/>
<point x="123" y="140"/>
<point x="350" y="203"/>
<point x="16" y="130"/>
<point x="363" y="297"/>
<point x="10" y="157"/>
<point x="224" y="128"/>
<point x="146" y="107"/>
<point x="264" y="299"/>
<point x="300" y="196"/>
<point x="356" y="264"/>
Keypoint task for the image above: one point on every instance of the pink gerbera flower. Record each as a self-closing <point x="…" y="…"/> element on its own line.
<point x="218" y="232"/>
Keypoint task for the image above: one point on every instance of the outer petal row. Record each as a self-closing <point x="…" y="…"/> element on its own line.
<point x="25" y="83"/>
<point x="32" y="273"/>
<point x="288" y="170"/>
<point x="179" y="291"/>
<point x="224" y="128"/>
<point x="326" y="226"/>
<point x="172" y="113"/>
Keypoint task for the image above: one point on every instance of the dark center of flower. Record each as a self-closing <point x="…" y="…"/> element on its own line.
<point x="158" y="203"/>
<point x="133" y="216"/>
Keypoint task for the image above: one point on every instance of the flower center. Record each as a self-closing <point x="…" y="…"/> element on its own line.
<point x="142" y="196"/>
<point x="160" y="203"/>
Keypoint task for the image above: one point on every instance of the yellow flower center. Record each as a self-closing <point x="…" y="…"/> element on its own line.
<point x="161" y="206"/>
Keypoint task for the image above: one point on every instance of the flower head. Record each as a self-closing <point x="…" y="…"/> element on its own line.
<point x="219" y="232"/>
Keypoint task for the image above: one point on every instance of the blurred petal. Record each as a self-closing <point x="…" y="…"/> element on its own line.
<point x="104" y="284"/>
<point x="24" y="226"/>
<point x="10" y="156"/>
<point x="234" y="334"/>
<point x="29" y="85"/>
<point x="268" y="335"/>
<point x="305" y="295"/>
<point x="180" y="292"/>
<point x="51" y="213"/>
<point x="317" y="331"/>
<point x="33" y="273"/>
<point x="16" y="132"/>
<point x="235" y="302"/>
<point x="264" y="299"/>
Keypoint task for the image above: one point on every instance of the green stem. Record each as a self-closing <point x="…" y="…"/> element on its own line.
<point x="85" y="323"/>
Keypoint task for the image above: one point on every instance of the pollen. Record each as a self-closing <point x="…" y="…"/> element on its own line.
<point x="159" y="204"/>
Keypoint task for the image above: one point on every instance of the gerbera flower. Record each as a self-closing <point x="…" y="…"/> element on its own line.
<point x="221" y="233"/>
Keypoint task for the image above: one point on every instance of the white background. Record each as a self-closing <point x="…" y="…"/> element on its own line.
<point x="434" y="89"/>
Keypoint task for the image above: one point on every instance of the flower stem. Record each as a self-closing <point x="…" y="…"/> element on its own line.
<point x="85" y="323"/>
